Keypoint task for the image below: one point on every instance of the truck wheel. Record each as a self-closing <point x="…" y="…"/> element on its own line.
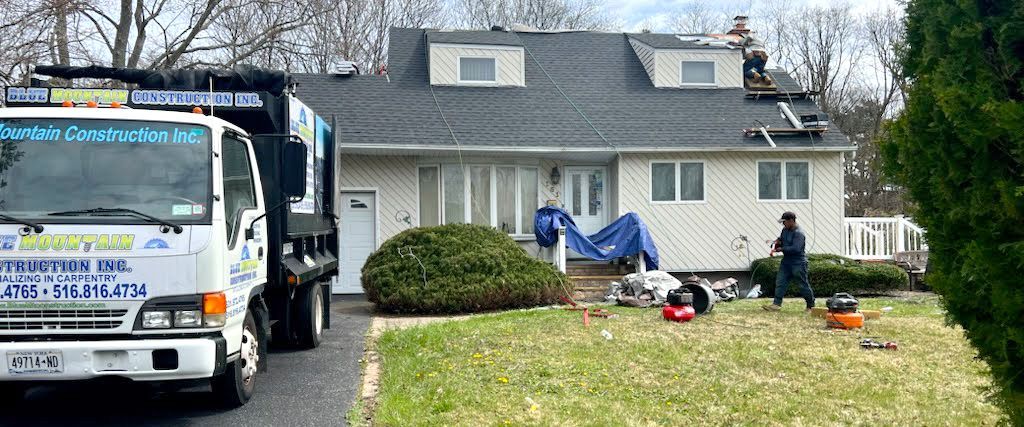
<point x="310" y="316"/>
<point x="238" y="382"/>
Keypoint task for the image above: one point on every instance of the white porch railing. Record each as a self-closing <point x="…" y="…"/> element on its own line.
<point x="880" y="238"/>
<point x="560" y="250"/>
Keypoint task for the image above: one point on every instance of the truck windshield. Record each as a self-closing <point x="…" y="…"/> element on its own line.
<point x="157" y="168"/>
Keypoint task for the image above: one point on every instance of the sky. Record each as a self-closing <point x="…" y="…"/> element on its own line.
<point x="632" y="14"/>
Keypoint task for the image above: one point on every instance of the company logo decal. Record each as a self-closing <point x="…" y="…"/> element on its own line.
<point x="156" y="244"/>
<point x="69" y="242"/>
<point x="7" y="242"/>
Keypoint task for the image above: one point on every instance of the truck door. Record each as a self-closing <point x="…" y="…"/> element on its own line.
<point x="245" y="257"/>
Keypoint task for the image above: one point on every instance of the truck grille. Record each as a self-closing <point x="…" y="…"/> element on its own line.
<point x="58" y="325"/>
<point x="75" y="314"/>
<point x="27" y="320"/>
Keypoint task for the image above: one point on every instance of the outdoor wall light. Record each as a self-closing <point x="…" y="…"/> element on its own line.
<point x="555" y="175"/>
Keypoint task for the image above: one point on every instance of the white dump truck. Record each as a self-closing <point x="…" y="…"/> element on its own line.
<point x="163" y="232"/>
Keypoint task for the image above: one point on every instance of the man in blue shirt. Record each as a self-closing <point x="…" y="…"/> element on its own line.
<point x="792" y="244"/>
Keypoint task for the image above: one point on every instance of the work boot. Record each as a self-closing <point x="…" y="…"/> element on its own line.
<point x="771" y="307"/>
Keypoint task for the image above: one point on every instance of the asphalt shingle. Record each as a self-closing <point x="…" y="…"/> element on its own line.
<point x="599" y="74"/>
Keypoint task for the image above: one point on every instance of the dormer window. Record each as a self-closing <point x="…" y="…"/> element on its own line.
<point x="697" y="73"/>
<point x="478" y="70"/>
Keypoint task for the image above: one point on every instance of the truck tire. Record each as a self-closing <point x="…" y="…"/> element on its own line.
<point x="238" y="382"/>
<point x="309" y="318"/>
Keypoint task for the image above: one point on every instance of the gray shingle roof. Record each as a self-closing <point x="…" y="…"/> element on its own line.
<point x="600" y="74"/>
<point x="500" y="38"/>
<point x="668" y="41"/>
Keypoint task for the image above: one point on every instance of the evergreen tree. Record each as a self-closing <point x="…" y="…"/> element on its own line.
<point x="959" y="149"/>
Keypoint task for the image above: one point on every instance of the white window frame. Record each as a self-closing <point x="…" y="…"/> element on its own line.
<point x="458" y="71"/>
<point x="679" y="187"/>
<point x="714" y="66"/>
<point x="467" y="193"/>
<point x="782" y="176"/>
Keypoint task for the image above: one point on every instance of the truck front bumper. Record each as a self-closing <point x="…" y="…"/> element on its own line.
<point x="139" y="360"/>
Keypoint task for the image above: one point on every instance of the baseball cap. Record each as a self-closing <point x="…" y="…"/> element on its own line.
<point x="787" y="215"/>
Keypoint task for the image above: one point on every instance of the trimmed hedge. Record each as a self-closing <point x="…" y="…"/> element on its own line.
<point x="832" y="273"/>
<point x="469" y="268"/>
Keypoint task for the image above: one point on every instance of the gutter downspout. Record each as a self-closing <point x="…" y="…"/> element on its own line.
<point x="788" y="114"/>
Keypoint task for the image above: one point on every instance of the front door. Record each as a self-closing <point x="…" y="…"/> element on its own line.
<point x="585" y="196"/>
<point x="358" y="239"/>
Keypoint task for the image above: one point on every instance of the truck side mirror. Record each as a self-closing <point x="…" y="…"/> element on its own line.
<point x="293" y="168"/>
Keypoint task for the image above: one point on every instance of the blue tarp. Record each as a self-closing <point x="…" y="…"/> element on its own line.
<point x="626" y="236"/>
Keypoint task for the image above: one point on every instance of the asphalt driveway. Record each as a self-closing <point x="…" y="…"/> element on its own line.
<point x="313" y="387"/>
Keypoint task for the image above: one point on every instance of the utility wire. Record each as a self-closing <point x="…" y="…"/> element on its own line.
<point x="564" y="95"/>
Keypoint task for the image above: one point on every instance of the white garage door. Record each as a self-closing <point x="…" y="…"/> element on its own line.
<point x="358" y="239"/>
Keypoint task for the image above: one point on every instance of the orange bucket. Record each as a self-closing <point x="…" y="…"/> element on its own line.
<point x="845" y="320"/>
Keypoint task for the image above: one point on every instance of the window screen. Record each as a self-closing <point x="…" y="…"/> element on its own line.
<point x="769" y="180"/>
<point x="663" y="182"/>
<point x="691" y="181"/>
<point x="238" y="186"/>
<point x="476" y="69"/>
<point x="527" y="198"/>
<point x="798" y="182"/>
<point x="429" y="197"/>
<point x="505" y="199"/>
<point x="698" y="73"/>
<point x="480" y="194"/>
<point x="454" y="194"/>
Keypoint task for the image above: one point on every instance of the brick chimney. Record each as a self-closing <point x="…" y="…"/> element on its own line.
<point x="740" y="26"/>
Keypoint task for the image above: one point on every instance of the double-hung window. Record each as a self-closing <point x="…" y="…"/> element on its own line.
<point x="478" y="70"/>
<point x="501" y="196"/>
<point x="783" y="180"/>
<point x="677" y="181"/>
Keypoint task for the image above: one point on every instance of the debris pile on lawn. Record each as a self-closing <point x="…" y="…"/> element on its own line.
<point x="727" y="289"/>
<point x="643" y="289"/>
<point x="652" y="288"/>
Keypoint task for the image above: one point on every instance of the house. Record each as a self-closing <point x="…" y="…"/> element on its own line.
<point x="487" y="126"/>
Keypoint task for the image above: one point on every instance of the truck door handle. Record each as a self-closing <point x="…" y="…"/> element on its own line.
<point x="259" y="253"/>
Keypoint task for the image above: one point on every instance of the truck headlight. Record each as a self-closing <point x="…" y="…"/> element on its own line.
<point x="156" y="319"/>
<point x="188" y="319"/>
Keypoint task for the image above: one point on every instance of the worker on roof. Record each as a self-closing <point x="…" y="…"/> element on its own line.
<point x="792" y="244"/>
<point x="754" y="59"/>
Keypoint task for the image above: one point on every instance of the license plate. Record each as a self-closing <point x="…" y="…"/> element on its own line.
<point x="35" y="362"/>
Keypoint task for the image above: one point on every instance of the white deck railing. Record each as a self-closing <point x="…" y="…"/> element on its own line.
<point x="880" y="238"/>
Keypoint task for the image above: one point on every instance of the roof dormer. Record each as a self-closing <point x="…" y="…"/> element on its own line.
<point x="685" y="61"/>
<point x="476" y="58"/>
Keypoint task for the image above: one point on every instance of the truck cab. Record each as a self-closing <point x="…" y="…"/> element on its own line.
<point x="156" y="245"/>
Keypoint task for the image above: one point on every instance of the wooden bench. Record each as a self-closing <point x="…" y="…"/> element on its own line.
<point x="915" y="263"/>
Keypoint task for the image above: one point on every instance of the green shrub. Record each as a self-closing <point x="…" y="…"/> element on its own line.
<point x="469" y="268"/>
<point x="832" y="273"/>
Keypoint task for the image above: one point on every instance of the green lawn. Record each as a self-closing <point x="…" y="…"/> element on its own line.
<point x="740" y="365"/>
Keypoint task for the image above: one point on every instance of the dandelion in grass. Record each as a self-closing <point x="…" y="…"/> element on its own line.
<point x="477" y="355"/>
<point x="503" y="380"/>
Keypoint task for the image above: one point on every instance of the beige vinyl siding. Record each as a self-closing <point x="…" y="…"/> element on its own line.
<point x="646" y="55"/>
<point x="444" y="63"/>
<point x="728" y="66"/>
<point x="394" y="178"/>
<point x="613" y="190"/>
<point x="697" y="237"/>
